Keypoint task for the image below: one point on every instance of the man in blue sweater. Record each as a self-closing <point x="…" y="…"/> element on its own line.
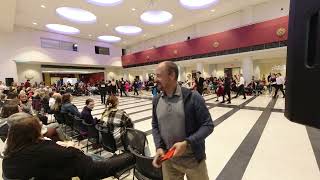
<point x="180" y="121"/>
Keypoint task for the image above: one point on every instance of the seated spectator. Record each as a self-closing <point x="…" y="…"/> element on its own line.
<point x="9" y="108"/>
<point x="25" y="104"/>
<point x="115" y="119"/>
<point x="86" y="112"/>
<point x="28" y="156"/>
<point x="52" y="99"/>
<point x="68" y="107"/>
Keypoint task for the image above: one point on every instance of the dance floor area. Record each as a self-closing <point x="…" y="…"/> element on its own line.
<point x="252" y="139"/>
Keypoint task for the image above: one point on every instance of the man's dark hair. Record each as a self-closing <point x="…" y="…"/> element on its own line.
<point x="172" y="68"/>
<point x="89" y="101"/>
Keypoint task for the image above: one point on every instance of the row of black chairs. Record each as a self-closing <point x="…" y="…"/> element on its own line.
<point x="134" y="141"/>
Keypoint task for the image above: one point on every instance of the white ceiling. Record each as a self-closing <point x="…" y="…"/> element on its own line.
<point x="29" y="11"/>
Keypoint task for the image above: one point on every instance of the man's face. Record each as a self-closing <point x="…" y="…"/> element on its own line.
<point x="163" y="79"/>
<point x="91" y="105"/>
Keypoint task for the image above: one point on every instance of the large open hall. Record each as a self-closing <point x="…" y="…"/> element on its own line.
<point x="159" y="89"/>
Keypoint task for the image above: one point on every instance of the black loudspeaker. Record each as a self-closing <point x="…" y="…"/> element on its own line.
<point x="124" y="52"/>
<point x="9" y="81"/>
<point x="303" y="63"/>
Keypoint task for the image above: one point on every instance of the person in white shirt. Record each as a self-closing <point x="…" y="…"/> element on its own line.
<point x="241" y="87"/>
<point x="2" y="87"/>
<point x="279" y="85"/>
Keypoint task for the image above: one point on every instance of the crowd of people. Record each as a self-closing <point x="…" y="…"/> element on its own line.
<point x="30" y="136"/>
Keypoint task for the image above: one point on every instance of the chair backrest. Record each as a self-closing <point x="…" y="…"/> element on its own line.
<point x="68" y="119"/>
<point x="108" y="141"/>
<point x="135" y="139"/>
<point x="59" y="117"/>
<point x="77" y="122"/>
<point x="92" y="132"/>
<point x="145" y="168"/>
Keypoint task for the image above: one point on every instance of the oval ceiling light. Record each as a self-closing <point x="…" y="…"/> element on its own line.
<point x="105" y="2"/>
<point x="76" y="15"/>
<point x="63" y="29"/>
<point x="128" y="30"/>
<point x="156" y="17"/>
<point x="110" y="39"/>
<point x="197" y="4"/>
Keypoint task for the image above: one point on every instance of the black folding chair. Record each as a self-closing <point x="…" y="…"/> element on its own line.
<point x="144" y="169"/>
<point x="135" y="139"/>
<point x="107" y="140"/>
<point x="92" y="134"/>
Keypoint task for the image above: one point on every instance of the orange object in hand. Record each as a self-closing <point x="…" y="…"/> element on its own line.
<point x="168" y="155"/>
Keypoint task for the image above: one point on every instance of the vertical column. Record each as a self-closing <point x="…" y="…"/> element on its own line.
<point x="200" y="67"/>
<point x="212" y="70"/>
<point x="125" y="75"/>
<point x="247" y="69"/>
<point x="182" y="73"/>
<point x="257" y="72"/>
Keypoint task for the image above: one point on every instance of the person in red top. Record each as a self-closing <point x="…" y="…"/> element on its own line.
<point x="27" y="84"/>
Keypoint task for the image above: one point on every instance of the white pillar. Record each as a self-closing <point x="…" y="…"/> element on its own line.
<point x="212" y="70"/>
<point x="200" y="67"/>
<point x="257" y="72"/>
<point x="182" y="73"/>
<point x="247" y="69"/>
<point x="125" y="75"/>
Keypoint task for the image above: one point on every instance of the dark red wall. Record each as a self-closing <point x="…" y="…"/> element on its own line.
<point x="256" y="34"/>
<point x="92" y="78"/>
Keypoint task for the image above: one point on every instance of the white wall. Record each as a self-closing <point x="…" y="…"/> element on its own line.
<point x="26" y="71"/>
<point x="23" y="45"/>
<point x="250" y="15"/>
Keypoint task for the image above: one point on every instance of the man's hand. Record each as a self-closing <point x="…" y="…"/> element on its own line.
<point x="156" y="161"/>
<point x="180" y="148"/>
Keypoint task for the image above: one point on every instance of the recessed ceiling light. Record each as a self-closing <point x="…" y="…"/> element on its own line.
<point x="156" y="17"/>
<point x="128" y="30"/>
<point x="171" y="25"/>
<point x="34" y="23"/>
<point x="107" y="25"/>
<point x="110" y="39"/>
<point x="105" y="2"/>
<point x="144" y="35"/>
<point x="133" y="9"/>
<point x="63" y="29"/>
<point x="76" y="14"/>
<point x="213" y="10"/>
<point x="89" y="35"/>
<point x="197" y="4"/>
<point x="43" y="6"/>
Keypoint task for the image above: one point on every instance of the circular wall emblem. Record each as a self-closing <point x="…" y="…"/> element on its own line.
<point x="281" y="32"/>
<point x="175" y="51"/>
<point x="216" y="44"/>
<point x="29" y="75"/>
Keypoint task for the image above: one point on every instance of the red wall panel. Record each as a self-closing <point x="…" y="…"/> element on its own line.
<point x="260" y="33"/>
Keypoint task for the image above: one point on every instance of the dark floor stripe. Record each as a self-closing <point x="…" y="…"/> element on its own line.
<point x="239" y="161"/>
<point x="148" y="132"/>
<point x="142" y="119"/>
<point x="230" y="113"/>
<point x="314" y="136"/>
<point x="139" y="111"/>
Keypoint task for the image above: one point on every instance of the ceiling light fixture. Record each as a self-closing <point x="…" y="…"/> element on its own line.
<point x="213" y="10"/>
<point x="110" y="39"/>
<point x="156" y="17"/>
<point x="105" y="2"/>
<point x="76" y="14"/>
<point x="107" y="25"/>
<point x="34" y="23"/>
<point x="43" y="6"/>
<point x="197" y="4"/>
<point x="128" y="30"/>
<point x="63" y="29"/>
<point x="89" y="35"/>
<point x="133" y="9"/>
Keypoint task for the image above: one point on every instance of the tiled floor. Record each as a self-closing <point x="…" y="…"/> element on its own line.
<point x="252" y="139"/>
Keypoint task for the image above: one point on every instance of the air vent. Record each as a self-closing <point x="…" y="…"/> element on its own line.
<point x="58" y="44"/>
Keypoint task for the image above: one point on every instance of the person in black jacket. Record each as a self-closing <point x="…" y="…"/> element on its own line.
<point x="86" y="112"/>
<point x="200" y="81"/>
<point x="122" y="87"/>
<point x="227" y="88"/>
<point x="103" y="91"/>
<point x="28" y="156"/>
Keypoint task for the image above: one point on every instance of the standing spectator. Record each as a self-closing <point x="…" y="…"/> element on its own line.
<point x="200" y="81"/>
<point x="227" y="88"/>
<point x="27" y="84"/>
<point x="122" y="84"/>
<point x="280" y="82"/>
<point x="135" y="86"/>
<point x="241" y="87"/>
<point x="180" y="121"/>
<point x="103" y="91"/>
